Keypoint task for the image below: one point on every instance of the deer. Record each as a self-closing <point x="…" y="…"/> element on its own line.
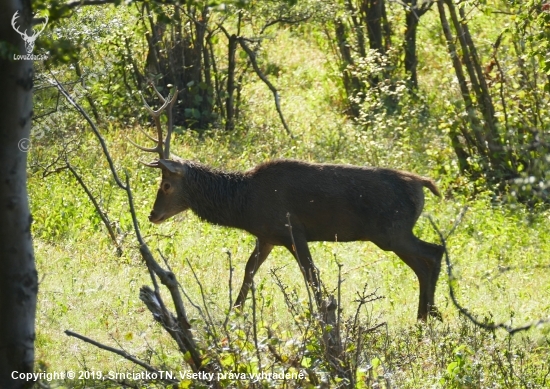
<point x="322" y="202"/>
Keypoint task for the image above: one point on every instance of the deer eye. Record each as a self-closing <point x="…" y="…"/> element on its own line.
<point x="166" y="186"/>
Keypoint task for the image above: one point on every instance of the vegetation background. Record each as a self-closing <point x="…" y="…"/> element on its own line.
<point x="359" y="82"/>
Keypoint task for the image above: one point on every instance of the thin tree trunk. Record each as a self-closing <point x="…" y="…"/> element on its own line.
<point x="412" y="18"/>
<point x="410" y="48"/>
<point x="231" y="65"/>
<point x="351" y="83"/>
<point x="386" y="28"/>
<point x="18" y="278"/>
<point x="478" y="100"/>
<point x="358" y="29"/>
<point x="470" y="109"/>
<point x="372" y="12"/>
<point x="495" y="143"/>
<point x="461" y="154"/>
<point x="475" y="73"/>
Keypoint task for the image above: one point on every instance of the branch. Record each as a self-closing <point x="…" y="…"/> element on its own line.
<point x="255" y="326"/>
<point x="103" y="215"/>
<point x="94" y="129"/>
<point x="208" y="319"/>
<point x="178" y="327"/>
<point x="230" y="288"/>
<point x="284" y="20"/>
<point x="122" y="353"/>
<point x="491" y="327"/>
<point x="252" y="57"/>
<point x="79" y="3"/>
<point x="310" y="301"/>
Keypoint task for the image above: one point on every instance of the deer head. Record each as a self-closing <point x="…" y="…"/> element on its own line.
<point x="171" y="169"/>
<point x="170" y="198"/>
<point x="29" y="40"/>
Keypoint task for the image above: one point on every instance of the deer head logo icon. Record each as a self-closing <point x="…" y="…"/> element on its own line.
<point x="29" y="40"/>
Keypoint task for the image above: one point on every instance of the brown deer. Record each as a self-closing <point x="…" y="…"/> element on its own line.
<point x="326" y="203"/>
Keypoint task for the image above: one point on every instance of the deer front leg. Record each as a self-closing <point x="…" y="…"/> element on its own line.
<point x="256" y="259"/>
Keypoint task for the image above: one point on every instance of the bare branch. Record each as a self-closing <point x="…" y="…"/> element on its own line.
<point x="491" y="327"/>
<point x="102" y="214"/>
<point x="74" y="4"/>
<point x="209" y="322"/>
<point x="255" y="326"/>
<point x="94" y="129"/>
<point x="457" y="221"/>
<point x="284" y="20"/>
<point x="178" y="327"/>
<point x="122" y="353"/>
<point x="252" y="57"/>
<point x="289" y="225"/>
<point x="230" y="288"/>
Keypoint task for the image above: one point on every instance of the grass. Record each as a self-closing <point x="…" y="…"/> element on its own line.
<point x="500" y="256"/>
<point x="499" y="252"/>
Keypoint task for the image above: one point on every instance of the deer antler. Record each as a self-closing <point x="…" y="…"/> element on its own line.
<point x="36" y="33"/>
<point x="13" y="19"/>
<point x="163" y="146"/>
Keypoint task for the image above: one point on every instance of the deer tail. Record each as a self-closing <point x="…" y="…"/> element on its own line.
<point x="430" y="184"/>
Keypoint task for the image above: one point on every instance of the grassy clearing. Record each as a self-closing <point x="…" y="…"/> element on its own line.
<point x="500" y="253"/>
<point x="500" y="257"/>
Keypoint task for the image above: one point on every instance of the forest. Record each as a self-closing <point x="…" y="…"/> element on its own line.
<point x="103" y="102"/>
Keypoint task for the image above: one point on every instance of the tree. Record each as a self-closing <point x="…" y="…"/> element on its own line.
<point x="18" y="277"/>
<point x="502" y="133"/>
<point x="364" y="33"/>
<point x="413" y="12"/>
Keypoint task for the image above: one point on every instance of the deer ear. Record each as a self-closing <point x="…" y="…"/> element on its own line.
<point x="173" y="167"/>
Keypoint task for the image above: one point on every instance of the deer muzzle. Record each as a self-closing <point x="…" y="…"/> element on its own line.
<point x="154" y="218"/>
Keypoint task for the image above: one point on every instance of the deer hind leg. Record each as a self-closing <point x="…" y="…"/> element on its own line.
<point x="256" y="259"/>
<point x="425" y="260"/>
<point x="303" y="256"/>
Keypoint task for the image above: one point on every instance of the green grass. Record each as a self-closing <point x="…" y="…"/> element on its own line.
<point x="500" y="256"/>
<point x="500" y="253"/>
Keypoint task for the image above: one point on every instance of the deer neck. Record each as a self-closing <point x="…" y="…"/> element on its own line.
<point x="217" y="197"/>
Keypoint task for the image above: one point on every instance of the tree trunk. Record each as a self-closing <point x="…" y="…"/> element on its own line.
<point x="477" y="99"/>
<point x="463" y="84"/>
<point x="231" y="65"/>
<point x="372" y="12"/>
<point x="412" y="18"/>
<point x="351" y="83"/>
<point x="18" y="278"/>
<point x="410" y="48"/>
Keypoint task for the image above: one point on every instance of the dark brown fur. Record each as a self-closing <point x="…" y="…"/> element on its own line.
<point x="325" y="202"/>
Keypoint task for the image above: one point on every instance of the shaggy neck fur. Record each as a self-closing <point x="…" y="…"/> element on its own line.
<point x="215" y="196"/>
